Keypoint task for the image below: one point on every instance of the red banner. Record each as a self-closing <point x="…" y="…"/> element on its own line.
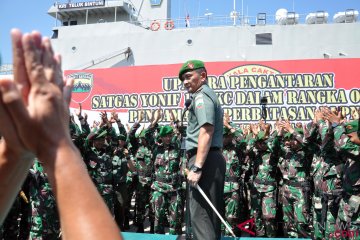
<point x="294" y="88"/>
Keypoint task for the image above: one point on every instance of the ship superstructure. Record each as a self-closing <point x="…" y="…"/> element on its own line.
<point x="106" y="34"/>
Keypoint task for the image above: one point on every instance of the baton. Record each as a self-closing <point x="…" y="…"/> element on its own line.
<point x="217" y="213"/>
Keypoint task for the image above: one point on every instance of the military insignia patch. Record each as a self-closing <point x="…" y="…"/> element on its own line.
<point x="190" y="65"/>
<point x="199" y="101"/>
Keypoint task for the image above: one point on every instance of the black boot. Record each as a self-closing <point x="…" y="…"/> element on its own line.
<point x="152" y="227"/>
<point x="140" y="228"/>
<point x="126" y="223"/>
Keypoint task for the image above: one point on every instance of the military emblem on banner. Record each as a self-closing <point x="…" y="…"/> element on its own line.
<point x="83" y="84"/>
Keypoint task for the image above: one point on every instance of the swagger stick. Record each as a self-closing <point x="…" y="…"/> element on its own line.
<point x="217" y="213"/>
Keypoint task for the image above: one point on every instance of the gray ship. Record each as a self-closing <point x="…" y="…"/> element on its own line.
<point x="124" y="56"/>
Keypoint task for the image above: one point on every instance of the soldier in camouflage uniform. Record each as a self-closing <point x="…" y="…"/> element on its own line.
<point x="167" y="182"/>
<point x="263" y="193"/>
<point x="44" y="219"/>
<point x="142" y="150"/>
<point x="327" y="182"/>
<point x="295" y="168"/>
<point x="97" y="157"/>
<point x="121" y="161"/>
<point x="235" y="167"/>
<point x="347" y="143"/>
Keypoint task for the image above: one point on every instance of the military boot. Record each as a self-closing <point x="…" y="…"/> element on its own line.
<point x="140" y="228"/>
<point x="126" y="223"/>
<point x="152" y="227"/>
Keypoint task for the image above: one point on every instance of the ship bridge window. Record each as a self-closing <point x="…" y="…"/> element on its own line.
<point x="73" y="22"/>
<point x="264" y="39"/>
<point x="66" y="23"/>
<point x="155" y="2"/>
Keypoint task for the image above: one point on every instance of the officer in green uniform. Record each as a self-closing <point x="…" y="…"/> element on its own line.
<point x="203" y="144"/>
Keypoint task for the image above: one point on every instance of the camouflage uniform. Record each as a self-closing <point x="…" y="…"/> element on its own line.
<point x="144" y="167"/>
<point x="166" y="186"/>
<point x="44" y="220"/>
<point x="263" y="193"/>
<point x="120" y="170"/>
<point x="295" y="168"/>
<point x="233" y="182"/>
<point x="100" y="166"/>
<point x="327" y="185"/>
<point x="349" y="210"/>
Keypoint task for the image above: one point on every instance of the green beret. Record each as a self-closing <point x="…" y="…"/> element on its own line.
<point x="288" y="135"/>
<point x="300" y="131"/>
<point x="352" y="126"/>
<point x="260" y="136"/>
<point x="96" y="135"/>
<point x="122" y="137"/>
<point x="144" y="133"/>
<point x="165" y="130"/>
<point x="226" y="131"/>
<point x="190" y="66"/>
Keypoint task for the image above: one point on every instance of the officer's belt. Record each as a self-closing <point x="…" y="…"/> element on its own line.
<point x="190" y="153"/>
<point x="265" y="182"/>
<point x="172" y="179"/>
<point x="296" y="184"/>
<point x="231" y="179"/>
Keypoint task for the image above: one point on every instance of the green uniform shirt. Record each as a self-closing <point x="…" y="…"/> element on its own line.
<point x="205" y="108"/>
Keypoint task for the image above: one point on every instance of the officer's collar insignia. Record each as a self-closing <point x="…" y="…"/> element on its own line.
<point x="190" y="65"/>
<point x="349" y="127"/>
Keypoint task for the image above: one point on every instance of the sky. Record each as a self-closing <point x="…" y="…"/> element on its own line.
<point x="32" y="15"/>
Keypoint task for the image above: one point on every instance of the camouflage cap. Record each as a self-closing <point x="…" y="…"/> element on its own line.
<point x="165" y="130"/>
<point x="352" y="126"/>
<point x="190" y="66"/>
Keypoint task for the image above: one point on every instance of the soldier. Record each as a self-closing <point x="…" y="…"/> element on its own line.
<point x="264" y="177"/>
<point x="98" y="160"/>
<point x="348" y="144"/>
<point x="327" y="182"/>
<point x="295" y="168"/>
<point x="142" y="150"/>
<point x="121" y="161"/>
<point x="232" y="178"/>
<point x="44" y="220"/>
<point x="167" y="182"/>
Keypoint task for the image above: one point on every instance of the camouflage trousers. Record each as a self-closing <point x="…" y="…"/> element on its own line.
<point x="263" y="206"/>
<point x="232" y="209"/>
<point x="167" y="204"/>
<point x="295" y="206"/>
<point x="44" y="222"/>
<point x="348" y="221"/>
<point x="106" y="192"/>
<point x="143" y="195"/>
<point x="324" y="217"/>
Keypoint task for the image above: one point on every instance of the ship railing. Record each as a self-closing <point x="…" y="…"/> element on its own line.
<point x="210" y="20"/>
